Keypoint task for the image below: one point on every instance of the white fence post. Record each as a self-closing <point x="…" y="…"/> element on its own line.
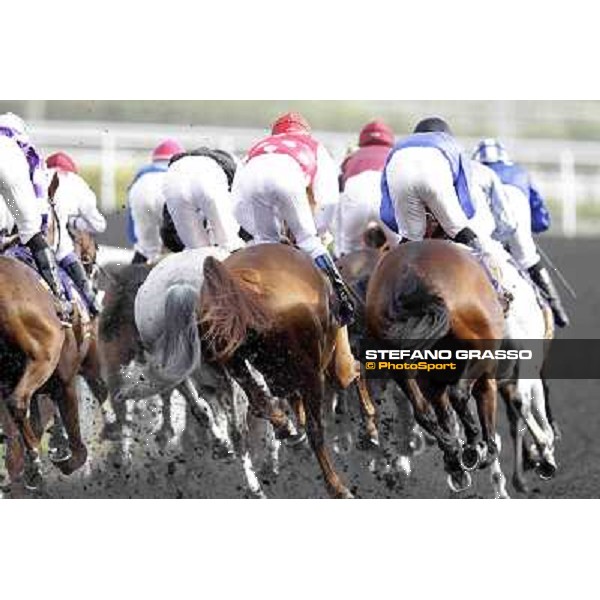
<point x="108" y="198"/>
<point x="569" y="193"/>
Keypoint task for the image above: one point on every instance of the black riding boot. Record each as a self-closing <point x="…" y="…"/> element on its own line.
<point x="77" y="273"/>
<point x="468" y="237"/>
<point x="346" y="308"/>
<point x="45" y="262"/>
<point x="541" y="278"/>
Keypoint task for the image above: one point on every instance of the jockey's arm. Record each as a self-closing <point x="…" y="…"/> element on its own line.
<point x="88" y="218"/>
<point x="325" y="191"/>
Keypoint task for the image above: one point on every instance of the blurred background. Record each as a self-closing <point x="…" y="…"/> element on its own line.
<point x="559" y="141"/>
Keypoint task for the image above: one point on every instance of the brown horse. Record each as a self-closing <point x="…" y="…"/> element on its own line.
<point x="426" y="295"/>
<point x="269" y="305"/>
<point x="45" y="358"/>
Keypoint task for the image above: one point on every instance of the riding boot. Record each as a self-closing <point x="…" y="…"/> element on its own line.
<point x="77" y="273"/>
<point x="45" y="262"/>
<point x="541" y="278"/>
<point x="346" y="307"/>
<point x="468" y="237"/>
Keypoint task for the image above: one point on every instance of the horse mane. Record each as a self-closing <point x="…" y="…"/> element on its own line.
<point x="232" y="307"/>
<point x="118" y="310"/>
<point x="417" y="315"/>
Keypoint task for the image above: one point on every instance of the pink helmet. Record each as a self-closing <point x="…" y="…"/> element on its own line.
<point x="291" y="122"/>
<point x="166" y="149"/>
<point x="61" y="161"/>
<point x="376" y="133"/>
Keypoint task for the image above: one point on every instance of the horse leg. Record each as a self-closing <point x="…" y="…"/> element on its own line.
<point x="14" y="457"/>
<point x="65" y="396"/>
<point x="240" y="439"/>
<point x="38" y="368"/>
<point x="426" y="417"/>
<point x="546" y="468"/>
<point x="508" y="392"/>
<point x="203" y="413"/>
<point x="261" y="403"/>
<point x="485" y="392"/>
<point x="471" y="453"/>
<point x="349" y="372"/>
<point x="313" y="400"/>
<point x="166" y="432"/>
<point x="553" y="422"/>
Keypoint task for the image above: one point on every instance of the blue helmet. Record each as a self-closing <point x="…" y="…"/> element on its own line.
<point x="489" y="151"/>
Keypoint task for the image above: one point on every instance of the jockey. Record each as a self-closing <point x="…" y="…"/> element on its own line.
<point x="290" y="179"/>
<point x="146" y="202"/>
<point x="428" y="171"/>
<point x="23" y="186"/>
<point x="531" y="215"/>
<point x="75" y="204"/>
<point x="360" y="185"/>
<point x="197" y="193"/>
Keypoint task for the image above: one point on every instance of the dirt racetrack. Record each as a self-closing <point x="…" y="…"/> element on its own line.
<point x="196" y="474"/>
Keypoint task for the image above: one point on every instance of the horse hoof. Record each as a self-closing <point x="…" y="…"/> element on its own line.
<point x="470" y="457"/>
<point x="59" y="454"/>
<point x="32" y="479"/>
<point x="417" y="442"/>
<point x="345" y="494"/>
<point x="367" y="442"/>
<point x="545" y="470"/>
<point x="520" y="484"/>
<point x="68" y="467"/>
<point x="403" y="467"/>
<point x="459" y="481"/>
<point x="295" y="439"/>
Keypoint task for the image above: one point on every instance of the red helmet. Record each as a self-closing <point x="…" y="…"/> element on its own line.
<point x="166" y="149"/>
<point x="376" y="133"/>
<point x="61" y="161"/>
<point x="291" y="122"/>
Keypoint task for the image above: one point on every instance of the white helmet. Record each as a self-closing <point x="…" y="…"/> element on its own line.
<point x="14" y="122"/>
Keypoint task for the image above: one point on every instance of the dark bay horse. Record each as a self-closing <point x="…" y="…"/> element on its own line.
<point x="269" y="305"/>
<point x="425" y="295"/>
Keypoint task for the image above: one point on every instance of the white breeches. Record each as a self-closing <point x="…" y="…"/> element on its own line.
<point x="196" y="190"/>
<point x="521" y="244"/>
<point x="17" y="190"/>
<point x="270" y="190"/>
<point x="420" y="180"/>
<point x="358" y="206"/>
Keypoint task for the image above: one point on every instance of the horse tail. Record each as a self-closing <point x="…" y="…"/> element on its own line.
<point x="230" y="310"/>
<point x="417" y="315"/>
<point x="176" y="352"/>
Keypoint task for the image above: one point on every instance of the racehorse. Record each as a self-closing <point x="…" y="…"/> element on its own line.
<point x="40" y="356"/>
<point x="269" y="307"/>
<point x="168" y="358"/>
<point x="426" y="295"/>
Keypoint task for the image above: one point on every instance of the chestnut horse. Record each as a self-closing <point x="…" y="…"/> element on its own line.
<point x="42" y="357"/>
<point x="269" y="306"/>
<point x="426" y="295"/>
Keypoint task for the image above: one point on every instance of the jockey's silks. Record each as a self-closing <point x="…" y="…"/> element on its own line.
<point x="457" y="161"/>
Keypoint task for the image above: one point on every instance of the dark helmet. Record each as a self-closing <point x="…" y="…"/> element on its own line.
<point x="431" y="124"/>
